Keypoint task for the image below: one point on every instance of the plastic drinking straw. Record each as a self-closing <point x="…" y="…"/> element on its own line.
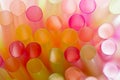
<point x="57" y="61"/>
<point x="18" y="8"/>
<point x="56" y="76"/>
<point x="37" y="69"/>
<point x="102" y="77"/>
<point x="108" y="49"/>
<point x="33" y="49"/>
<point x="5" y="5"/>
<point x="17" y="50"/>
<point x="34" y="15"/>
<point x="2" y="46"/>
<point x="105" y="16"/>
<point x="76" y="22"/>
<point x="116" y="35"/>
<point x="116" y="22"/>
<point x="7" y="27"/>
<point x="106" y="31"/>
<point x="86" y="34"/>
<point x="6" y="21"/>
<point x="1" y="62"/>
<point x="42" y="36"/>
<point x="72" y="55"/>
<point x="74" y="73"/>
<point x="42" y="5"/>
<point x="91" y="78"/>
<point x="111" y="70"/>
<point x="118" y="76"/>
<point x="4" y="75"/>
<point x="88" y="54"/>
<point x="69" y="37"/>
<point x="29" y="3"/>
<point x="24" y="33"/>
<point x="66" y="11"/>
<point x="54" y="25"/>
<point x="16" y="70"/>
<point x="87" y="6"/>
<point x="114" y="7"/>
<point x="0" y="7"/>
<point x="52" y="9"/>
<point x="65" y="6"/>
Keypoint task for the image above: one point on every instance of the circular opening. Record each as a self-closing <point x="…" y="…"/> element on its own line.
<point x="108" y="47"/>
<point x="88" y="52"/>
<point x="34" y="13"/>
<point x="72" y="54"/>
<point x="34" y="65"/>
<point x="16" y="48"/>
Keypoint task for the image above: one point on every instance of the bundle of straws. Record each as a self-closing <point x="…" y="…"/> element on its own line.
<point x="59" y="39"/>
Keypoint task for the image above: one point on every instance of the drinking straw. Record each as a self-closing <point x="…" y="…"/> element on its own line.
<point x="5" y="5"/>
<point x="57" y="61"/>
<point x="17" y="50"/>
<point x="0" y="7"/>
<point x="42" y="5"/>
<point x="102" y="77"/>
<point x="74" y="73"/>
<point x="1" y="62"/>
<point x="72" y="55"/>
<point x="42" y="36"/>
<point x="65" y="6"/>
<point x="118" y="76"/>
<point x="16" y="70"/>
<point x="56" y="76"/>
<point x="114" y="7"/>
<point x="4" y="75"/>
<point x="76" y="22"/>
<point x="18" y="8"/>
<point x="69" y="37"/>
<point x="87" y="6"/>
<point x="33" y="49"/>
<point x="91" y="78"/>
<point x="54" y="25"/>
<point x="116" y="22"/>
<point x="6" y="21"/>
<point x="111" y="70"/>
<point x="37" y="69"/>
<point x="104" y="17"/>
<point x="52" y="9"/>
<point x="108" y="48"/>
<point x="2" y="47"/>
<point x="116" y="35"/>
<point x="29" y="3"/>
<point x="88" y="54"/>
<point x="7" y="29"/>
<point x="106" y="31"/>
<point x="86" y="34"/>
<point x="34" y="15"/>
<point x="24" y="33"/>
